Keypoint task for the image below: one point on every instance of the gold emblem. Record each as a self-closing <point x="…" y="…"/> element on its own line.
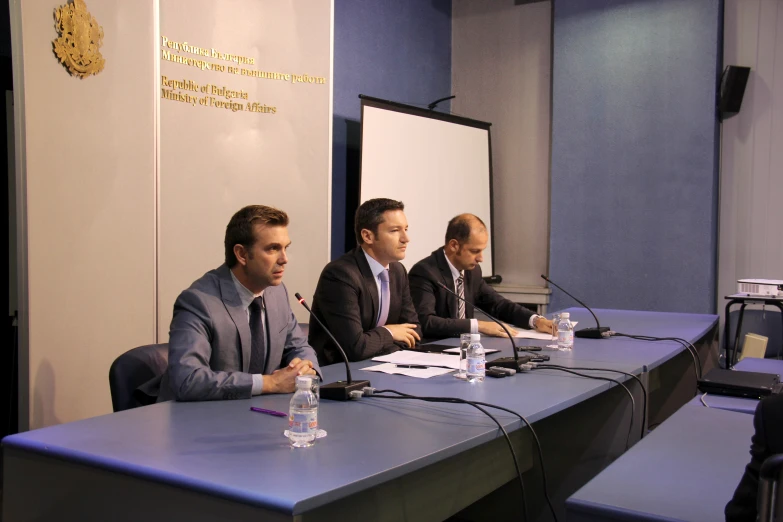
<point x="78" y="46"/>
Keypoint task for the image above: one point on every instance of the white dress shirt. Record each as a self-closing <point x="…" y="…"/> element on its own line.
<point x="474" y="322"/>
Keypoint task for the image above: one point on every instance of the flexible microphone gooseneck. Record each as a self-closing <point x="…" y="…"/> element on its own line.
<point x="585" y="333"/>
<point x="503" y="362"/>
<point x="340" y="390"/>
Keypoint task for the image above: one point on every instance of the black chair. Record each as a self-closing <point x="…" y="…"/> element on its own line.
<point x="133" y="369"/>
<point x="770" y="499"/>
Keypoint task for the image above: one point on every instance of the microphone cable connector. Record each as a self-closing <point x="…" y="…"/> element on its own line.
<point x="607" y="334"/>
<point x="367" y="391"/>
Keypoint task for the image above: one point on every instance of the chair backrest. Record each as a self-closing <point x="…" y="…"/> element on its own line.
<point x="134" y="368"/>
<point x="770" y="498"/>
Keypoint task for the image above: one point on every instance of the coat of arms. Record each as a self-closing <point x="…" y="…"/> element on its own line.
<point x="78" y="46"/>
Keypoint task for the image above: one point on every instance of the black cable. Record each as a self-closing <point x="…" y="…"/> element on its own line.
<point x="641" y="384"/>
<point x="402" y="396"/>
<point x="685" y="344"/>
<point x="521" y="417"/>
<point x="693" y="352"/>
<point x="540" y="454"/>
<point x="608" y="379"/>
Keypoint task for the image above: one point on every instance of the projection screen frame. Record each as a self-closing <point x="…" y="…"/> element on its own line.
<point x="369" y="101"/>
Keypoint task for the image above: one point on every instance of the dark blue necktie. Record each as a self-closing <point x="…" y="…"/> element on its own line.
<point x="257" y="336"/>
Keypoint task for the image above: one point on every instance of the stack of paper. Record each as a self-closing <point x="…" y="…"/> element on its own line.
<point x="421" y="373"/>
<point x="421" y="358"/>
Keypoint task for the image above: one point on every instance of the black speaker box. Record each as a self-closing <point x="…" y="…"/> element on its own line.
<point x="732" y="89"/>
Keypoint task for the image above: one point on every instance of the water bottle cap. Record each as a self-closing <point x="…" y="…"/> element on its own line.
<point x="475" y="337"/>
<point x="304" y="381"/>
<point x="565" y="315"/>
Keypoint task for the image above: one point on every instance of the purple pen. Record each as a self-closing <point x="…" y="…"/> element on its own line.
<point x="269" y="412"/>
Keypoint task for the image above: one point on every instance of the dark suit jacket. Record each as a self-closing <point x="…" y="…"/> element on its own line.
<point x="767" y="441"/>
<point x="346" y="300"/>
<point x="209" y="340"/>
<point x="437" y="308"/>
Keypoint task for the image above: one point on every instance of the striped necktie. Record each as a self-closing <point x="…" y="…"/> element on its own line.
<point x="461" y="293"/>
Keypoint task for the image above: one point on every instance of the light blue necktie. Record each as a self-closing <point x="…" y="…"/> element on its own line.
<point x="384" y="312"/>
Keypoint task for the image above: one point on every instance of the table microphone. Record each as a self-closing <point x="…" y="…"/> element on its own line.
<point x="585" y="333"/>
<point x="340" y="390"/>
<point x="503" y="362"/>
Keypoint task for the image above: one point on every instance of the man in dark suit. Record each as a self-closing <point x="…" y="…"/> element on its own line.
<point x="363" y="297"/>
<point x="456" y="265"/>
<point x="766" y="441"/>
<point x="233" y="333"/>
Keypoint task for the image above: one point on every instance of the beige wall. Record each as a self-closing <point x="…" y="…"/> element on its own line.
<point x="751" y="190"/>
<point x="501" y="74"/>
<point x="214" y="161"/>
<point x="86" y="160"/>
<point x="123" y="198"/>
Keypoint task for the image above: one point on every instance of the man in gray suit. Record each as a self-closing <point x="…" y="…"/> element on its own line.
<point x="233" y="333"/>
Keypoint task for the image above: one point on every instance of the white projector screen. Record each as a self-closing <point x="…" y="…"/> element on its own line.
<point x="438" y="164"/>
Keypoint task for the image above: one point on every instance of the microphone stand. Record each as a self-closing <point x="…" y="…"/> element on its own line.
<point x="340" y="390"/>
<point x="584" y="333"/>
<point x="503" y="362"/>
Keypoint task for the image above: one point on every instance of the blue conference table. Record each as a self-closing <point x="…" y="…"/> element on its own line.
<point x="382" y="460"/>
<point x="686" y="469"/>
<point x="645" y="354"/>
<point x="666" y="367"/>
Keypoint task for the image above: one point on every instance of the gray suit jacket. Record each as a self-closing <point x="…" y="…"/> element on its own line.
<point x="209" y="340"/>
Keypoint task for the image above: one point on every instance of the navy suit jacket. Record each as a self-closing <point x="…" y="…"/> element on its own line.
<point x="346" y="300"/>
<point x="767" y="441"/>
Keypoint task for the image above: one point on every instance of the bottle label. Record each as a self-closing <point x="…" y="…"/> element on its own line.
<point x="303" y="422"/>
<point x="565" y="337"/>
<point x="475" y="365"/>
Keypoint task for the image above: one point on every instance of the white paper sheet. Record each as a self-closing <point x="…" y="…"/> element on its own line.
<point x="532" y="334"/>
<point x="422" y="358"/>
<point x="421" y="373"/>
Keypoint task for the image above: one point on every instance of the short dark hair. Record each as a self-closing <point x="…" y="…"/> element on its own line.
<point x="370" y="214"/>
<point x="239" y="230"/>
<point x="459" y="228"/>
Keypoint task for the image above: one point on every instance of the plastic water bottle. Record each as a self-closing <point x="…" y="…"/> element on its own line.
<point x="303" y="414"/>
<point x="476" y="360"/>
<point x="565" y="332"/>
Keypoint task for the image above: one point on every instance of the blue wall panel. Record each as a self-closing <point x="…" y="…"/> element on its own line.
<point x="634" y="153"/>
<point x="397" y="50"/>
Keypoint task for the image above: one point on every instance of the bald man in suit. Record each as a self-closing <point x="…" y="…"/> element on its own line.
<point x="456" y="265"/>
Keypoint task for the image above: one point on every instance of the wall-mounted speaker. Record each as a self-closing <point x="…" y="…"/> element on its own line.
<point x="732" y="89"/>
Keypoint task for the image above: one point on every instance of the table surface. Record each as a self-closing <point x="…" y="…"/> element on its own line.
<point x="686" y="469"/>
<point x="751" y="364"/>
<point x="640" y="355"/>
<point x="226" y="450"/>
